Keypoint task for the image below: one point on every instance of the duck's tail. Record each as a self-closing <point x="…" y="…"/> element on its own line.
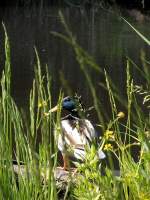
<point x="101" y="154"/>
<point x="80" y="154"/>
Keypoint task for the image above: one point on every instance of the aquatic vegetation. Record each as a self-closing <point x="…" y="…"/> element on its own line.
<point x="19" y="135"/>
<point x="122" y="133"/>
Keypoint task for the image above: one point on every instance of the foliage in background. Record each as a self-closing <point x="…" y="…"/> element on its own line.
<point x="142" y="5"/>
<point x="20" y="133"/>
<point x="124" y="132"/>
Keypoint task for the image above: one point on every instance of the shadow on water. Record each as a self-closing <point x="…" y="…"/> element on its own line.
<point x="104" y="35"/>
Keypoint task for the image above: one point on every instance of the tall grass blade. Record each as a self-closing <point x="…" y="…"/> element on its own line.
<point x="138" y="33"/>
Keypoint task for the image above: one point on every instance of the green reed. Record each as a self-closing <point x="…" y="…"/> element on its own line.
<point x="19" y="138"/>
<point x="121" y="134"/>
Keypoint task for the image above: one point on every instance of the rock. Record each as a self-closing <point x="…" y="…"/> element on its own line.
<point x="61" y="176"/>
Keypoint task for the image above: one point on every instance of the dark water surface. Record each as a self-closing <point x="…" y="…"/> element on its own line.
<point x="103" y="34"/>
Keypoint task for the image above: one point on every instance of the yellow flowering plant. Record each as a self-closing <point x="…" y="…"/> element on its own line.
<point x="120" y="115"/>
<point x="108" y="147"/>
<point x="42" y="104"/>
<point x="109" y="135"/>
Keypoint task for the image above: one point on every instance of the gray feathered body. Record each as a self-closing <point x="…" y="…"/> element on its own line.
<point x="76" y="134"/>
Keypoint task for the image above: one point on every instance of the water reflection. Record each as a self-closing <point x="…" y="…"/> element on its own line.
<point x="104" y="35"/>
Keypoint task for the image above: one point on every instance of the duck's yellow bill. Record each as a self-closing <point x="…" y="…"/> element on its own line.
<point x="54" y="109"/>
<point x="51" y="110"/>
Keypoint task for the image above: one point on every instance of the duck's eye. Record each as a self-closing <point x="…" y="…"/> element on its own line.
<point x="67" y="99"/>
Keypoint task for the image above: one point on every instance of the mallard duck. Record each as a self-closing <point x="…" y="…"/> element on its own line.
<point x="77" y="132"/>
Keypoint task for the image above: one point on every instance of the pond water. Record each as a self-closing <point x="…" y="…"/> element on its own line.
<point x="102" y="34"/>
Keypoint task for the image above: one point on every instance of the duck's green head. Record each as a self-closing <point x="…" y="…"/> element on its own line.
<point x="74" y="105"/>
<point x="69" y="104"/>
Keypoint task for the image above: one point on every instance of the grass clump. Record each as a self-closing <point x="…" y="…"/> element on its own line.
<point x="125" y="134"/>
<point x="19" y="139"/>
<point x="122" y="132"/>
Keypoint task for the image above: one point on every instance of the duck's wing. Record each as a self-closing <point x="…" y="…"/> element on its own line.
<point x="72" y="134"/>
<point x="91" y="133"/>
<point x="67" y="136"/>
<point x="88" y="130"/>
<point x="76" y="137"/>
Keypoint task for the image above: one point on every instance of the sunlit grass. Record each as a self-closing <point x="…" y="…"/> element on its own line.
<point x="124" y="130"/>
<point x="18" y="139"/>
